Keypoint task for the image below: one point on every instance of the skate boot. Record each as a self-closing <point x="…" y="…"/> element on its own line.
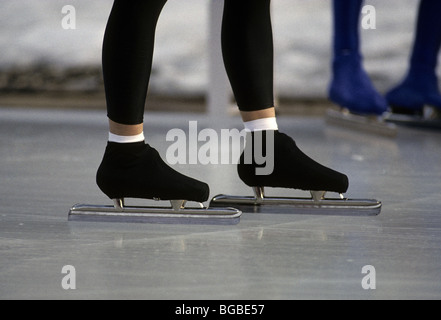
<point x="135" y="170"/>
<point x="292" y="168"/>
<point x="416" y="101"/>
<point x="286" y="166"/>
<point x="359" y="105"/>
<point x="352" y="89"/>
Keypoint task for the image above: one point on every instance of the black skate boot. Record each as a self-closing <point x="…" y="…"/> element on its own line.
<point x="272" y="159"/>
<point x="136" y="170"/>
<point x="291" y="167"/>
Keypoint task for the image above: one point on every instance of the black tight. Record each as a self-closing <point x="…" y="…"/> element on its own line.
<point x="128" y="45"/>
<point x="247" y="45"/>
<point x="127" y="57"/>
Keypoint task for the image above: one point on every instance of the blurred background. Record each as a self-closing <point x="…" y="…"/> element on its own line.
<point x="41" y="63"/>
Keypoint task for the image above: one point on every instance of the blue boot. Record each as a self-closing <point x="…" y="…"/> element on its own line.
<point x="420" y="86"/>
<point x="351" y="87"/>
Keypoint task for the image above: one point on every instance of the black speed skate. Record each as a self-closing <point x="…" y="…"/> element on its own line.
<point x="291" y="169"/>
<point x="136" y="170"/>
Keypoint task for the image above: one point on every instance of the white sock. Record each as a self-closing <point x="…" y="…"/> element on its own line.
<point x="126" y="139"/>
<point x="261" y="124"/>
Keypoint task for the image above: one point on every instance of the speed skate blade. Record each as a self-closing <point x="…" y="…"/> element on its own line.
<point x="375" y="125"/>
<point x="325" y="206"/>
<point x="430" y="119"/>
<point x="159" y="215"/>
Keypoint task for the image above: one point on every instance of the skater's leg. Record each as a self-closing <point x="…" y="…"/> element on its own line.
<point x="127" y="57"/>
<point x="131" y="168"/>
<point x="350" y="85"/>
<point x="420" y="86"/>
<point x="247" y="46"/>
<point x="126" y="130"/>
<point x="258" y="114"/>
<point x="248" y="55"/>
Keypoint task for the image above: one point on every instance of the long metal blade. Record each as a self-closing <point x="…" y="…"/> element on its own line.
<point x="300" y="205"/>
<point x="351" y="121"/>
<point x="85" y="212"/>
<point x="431" y="119"/>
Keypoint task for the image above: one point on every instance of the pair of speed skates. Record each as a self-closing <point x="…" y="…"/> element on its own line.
<point x="136" y="170"/>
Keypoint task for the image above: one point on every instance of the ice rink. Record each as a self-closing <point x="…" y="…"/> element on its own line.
<point x="48" y="163"/>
